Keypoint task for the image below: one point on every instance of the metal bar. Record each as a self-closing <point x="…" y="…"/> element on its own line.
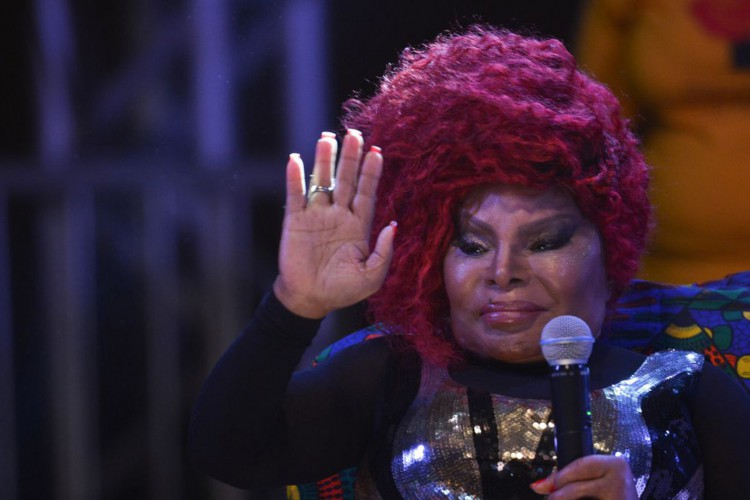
<point x="218" y="232"/>
<point x="70" y="255"/>
<point x="56" y="116"/>
<point x="8" y="455"/>
<point x="213" y="92"/>
<point x="252" y="174"/>
<point x="163" y="348"/>
<point x="306" y="87"/>
<point x="217" y="215"/>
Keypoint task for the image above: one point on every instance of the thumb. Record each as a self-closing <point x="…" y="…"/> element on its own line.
<point x="381" y="256"/>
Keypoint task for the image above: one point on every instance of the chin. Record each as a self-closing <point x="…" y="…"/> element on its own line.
<point x="517" y="357"/>
<point x="507" y="353"/>
<point x="536" y="358"/>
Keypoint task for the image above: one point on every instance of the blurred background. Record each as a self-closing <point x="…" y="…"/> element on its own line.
<point x="142" y="161"/>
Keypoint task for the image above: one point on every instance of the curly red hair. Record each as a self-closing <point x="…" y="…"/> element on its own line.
<point x="483" y="107"/>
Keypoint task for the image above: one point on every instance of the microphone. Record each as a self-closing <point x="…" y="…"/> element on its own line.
<point x="566" y="345"/>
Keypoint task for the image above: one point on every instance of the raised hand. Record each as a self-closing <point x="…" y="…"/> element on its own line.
<point x="325" y="262"/>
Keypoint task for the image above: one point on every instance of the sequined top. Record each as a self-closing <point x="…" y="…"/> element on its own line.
<point x="459" y="443"/>
<point x="258" y="425"/>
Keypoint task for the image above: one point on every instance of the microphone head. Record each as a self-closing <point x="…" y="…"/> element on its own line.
<point x="566" y="340"/>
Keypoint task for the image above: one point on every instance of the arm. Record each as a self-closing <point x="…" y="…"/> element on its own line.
<point x="240" y="404"/>
<point x="256" y="424"/>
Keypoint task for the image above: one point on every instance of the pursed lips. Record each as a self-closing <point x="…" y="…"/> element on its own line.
<point x="507" y="314"/>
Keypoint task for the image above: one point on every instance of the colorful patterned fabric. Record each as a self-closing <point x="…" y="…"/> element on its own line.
<point x="371" y="332"/>
<point x="711" y="318"/>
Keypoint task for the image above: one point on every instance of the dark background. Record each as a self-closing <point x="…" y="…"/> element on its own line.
<point x="130" y="257"/>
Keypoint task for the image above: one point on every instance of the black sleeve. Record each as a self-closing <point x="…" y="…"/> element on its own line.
<point x="255" y="424"/>
<point x="721" y="415"/>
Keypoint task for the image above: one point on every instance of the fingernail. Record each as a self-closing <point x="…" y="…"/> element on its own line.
<point x="353" y="131"/>
<point x="327" y="135"/>
<point x="294" y="156"/>
<point x="394" y="226"/>
<point x="375" y="149"/>
<point x="539" y="486"/>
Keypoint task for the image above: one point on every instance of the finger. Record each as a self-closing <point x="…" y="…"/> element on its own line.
<point x="381" y="256"/>
<point x="593" y="476"/>
<point x="544" y="486"/>
<point x="587" y="468"/>
<point x="295" y="184"/>
<point x="323" y="170"/>
<point x="556" y="490"/>
<point x="602" y="489"/>
<point x="582" y="469"/>
<point x="367" y="185"/>
<point x="346" y="172"/>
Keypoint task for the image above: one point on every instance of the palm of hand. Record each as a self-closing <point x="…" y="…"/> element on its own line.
<point x="327" y="250"/>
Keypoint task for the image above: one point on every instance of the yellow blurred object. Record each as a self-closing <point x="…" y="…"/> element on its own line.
<point x="292" y="493"/>
<point x="743" y="367"/>
<point x="687" y="85"/>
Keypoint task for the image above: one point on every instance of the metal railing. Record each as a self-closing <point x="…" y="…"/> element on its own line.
<point x="124" y="276"/>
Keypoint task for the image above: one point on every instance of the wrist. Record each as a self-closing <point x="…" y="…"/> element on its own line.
<point x="297" y="303"/>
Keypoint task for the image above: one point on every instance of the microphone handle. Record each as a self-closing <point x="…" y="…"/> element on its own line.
<point x="571" y="412"/>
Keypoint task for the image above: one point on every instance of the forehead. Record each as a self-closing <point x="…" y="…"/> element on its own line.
<point x="506" y="199"/>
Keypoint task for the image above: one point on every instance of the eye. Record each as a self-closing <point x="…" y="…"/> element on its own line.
<point x="470" y="246"/>
<point x="546" y="243"/>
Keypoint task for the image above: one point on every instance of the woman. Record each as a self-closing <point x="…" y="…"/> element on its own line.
<point x="520" y="195"/>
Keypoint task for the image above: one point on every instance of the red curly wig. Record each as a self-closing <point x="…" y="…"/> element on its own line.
<point x="483" y="107"/>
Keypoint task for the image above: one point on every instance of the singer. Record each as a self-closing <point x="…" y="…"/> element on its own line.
<point x="488" y="187"/>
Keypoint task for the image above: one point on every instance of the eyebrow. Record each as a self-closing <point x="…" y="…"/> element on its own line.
<point x="469" y="221"/>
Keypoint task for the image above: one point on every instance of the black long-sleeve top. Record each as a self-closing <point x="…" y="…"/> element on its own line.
<point x="256" y="423"/>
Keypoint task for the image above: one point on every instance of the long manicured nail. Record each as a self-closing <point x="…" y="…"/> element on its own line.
<point x="543" y="486"/>
<point x="294" y="156"/>
<point x="327" y="135"/>
<point x="353" y="131"/>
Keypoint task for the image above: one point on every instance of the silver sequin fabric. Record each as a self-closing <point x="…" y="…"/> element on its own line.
<point x="642" y="418"/>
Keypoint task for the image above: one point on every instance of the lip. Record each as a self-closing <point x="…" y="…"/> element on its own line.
<point x="502" y="315"/>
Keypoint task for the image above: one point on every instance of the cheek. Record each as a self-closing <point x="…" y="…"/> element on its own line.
<point x="577" y="272"/>
<point x="594" y="273"/>
<point x="458" y="279"/>
<point x="580" y="282"/>
<point x="583" y="267"/>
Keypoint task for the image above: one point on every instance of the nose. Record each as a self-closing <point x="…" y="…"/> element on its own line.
<point x="509" y="269"/>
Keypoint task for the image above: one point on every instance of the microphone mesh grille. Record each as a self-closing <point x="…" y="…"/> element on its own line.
<point x="566" y="340"/>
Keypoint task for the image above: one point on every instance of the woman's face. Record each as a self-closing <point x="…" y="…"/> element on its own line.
<point x="520" y="258"/>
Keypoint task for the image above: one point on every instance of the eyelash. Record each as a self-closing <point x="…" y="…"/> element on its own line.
<point x="473" y="248"/>
<point x="553" y="242"/>
<point x="470" y="247"/>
